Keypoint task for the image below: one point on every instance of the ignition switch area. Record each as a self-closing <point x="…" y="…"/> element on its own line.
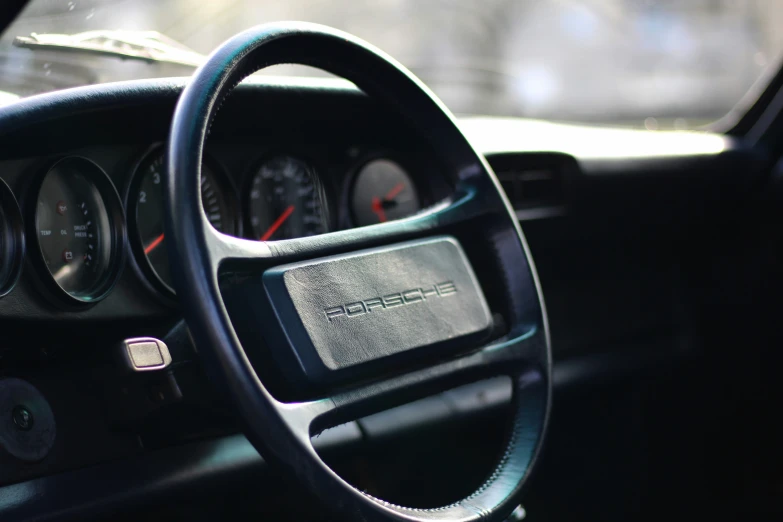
<point x="27" y="427"/>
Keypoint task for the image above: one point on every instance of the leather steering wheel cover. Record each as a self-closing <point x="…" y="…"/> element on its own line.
<point x="266" y="425"/>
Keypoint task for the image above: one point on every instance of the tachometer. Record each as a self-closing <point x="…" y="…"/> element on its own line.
<point x="286" y="200"/>
<point x="146" y="208"/>
<point x="78" y="225"/>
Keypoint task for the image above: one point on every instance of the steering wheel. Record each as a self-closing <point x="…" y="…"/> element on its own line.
<point x="366" y="318"/>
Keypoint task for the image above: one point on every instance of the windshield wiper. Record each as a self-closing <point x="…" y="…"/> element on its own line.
<point x="148" y="46"/>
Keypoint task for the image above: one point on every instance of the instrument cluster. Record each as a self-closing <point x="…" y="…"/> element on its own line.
<point x="73" y="223"/>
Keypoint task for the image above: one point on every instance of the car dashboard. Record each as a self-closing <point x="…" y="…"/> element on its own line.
<point x="287" y="158"/>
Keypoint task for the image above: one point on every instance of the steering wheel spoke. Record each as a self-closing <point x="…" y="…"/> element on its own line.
<point x="472" y="200"/>
<point x="517" y="358"/>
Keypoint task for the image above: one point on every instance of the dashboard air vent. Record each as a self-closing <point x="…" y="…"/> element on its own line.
<point x="534" y="179"/>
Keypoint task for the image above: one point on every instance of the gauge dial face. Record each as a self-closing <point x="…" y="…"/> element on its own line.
<point x="383" y="191"/>
<point x="286" y="200"/>
<point x="149" y="212"/>
<point x="74" y="229"/>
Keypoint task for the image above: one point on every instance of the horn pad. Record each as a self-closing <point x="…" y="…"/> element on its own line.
<point x="344" y="316"/>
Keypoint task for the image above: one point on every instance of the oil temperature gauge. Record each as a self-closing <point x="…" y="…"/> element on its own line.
<point x="79" y="228"/>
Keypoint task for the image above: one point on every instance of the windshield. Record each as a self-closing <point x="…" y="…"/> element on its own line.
<point x="646" y="63"/>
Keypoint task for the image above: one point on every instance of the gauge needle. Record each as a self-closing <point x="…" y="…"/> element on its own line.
<point x="377" y="207"/>
<point x="399" y="187"/>
<point x="279" y="221"/>
<point x="378" y="203"/>
<point x="152" y="246"/>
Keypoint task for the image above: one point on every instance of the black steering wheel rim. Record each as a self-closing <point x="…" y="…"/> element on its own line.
<point x="281" y="432"/>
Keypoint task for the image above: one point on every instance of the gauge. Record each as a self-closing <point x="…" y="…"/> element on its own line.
<point x="286" y="200"/>
<point x="382" y="191"/>
<point x="147" y="210"/>
<point x="11" y="240"/>
<point x="78" y="225"/>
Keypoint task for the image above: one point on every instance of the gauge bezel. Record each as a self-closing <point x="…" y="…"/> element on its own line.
<point x="114" y="210"/>
<point x="346" y="217"/>
<point x="323" y="191"/>
<point x="12" y="250"/>
<point x="140" y="260"/>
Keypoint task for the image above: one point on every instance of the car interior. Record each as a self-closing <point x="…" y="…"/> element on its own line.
<point x="233" y="295"/>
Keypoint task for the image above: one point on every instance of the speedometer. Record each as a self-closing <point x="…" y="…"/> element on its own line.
<point x="286" y="200"/>
<point x="146" y="209"/>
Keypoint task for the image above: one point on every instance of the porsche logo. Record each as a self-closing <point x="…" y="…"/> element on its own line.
<point x="404" y="298"/>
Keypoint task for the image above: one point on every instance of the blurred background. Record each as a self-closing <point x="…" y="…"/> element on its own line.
<point x="652" y="64"/>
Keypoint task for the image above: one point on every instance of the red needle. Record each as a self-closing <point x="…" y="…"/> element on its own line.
<point x="279" y="221"/>
<point x="399" y="187"/>
<point x="378" y="209"/>
<point x="152" y="246"/>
